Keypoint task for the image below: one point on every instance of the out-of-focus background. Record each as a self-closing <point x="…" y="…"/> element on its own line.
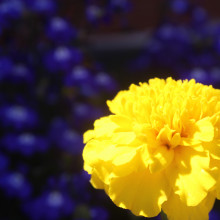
<point x="60" y="60"/>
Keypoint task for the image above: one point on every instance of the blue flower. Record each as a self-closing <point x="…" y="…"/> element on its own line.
<point x="4" y="163"/>
<point x="81" y="79"/>
<point x="199" y="74"/>
<point x="98" y="213"/>
<point x="61" y="182"/>
<point x="120" y="5"/>
<point x="21" y="74"/>
<point x="179" y="6"/>
<point x="10" y="9"/>
<point x="77" y="76"/>
<point x="57" y="126"/>
<point x="18" y="117"/>
<point x="80" y="183"/>
<point x="5" y="67"/>
<point x="94" y="13"/>
<point x="214" y="215"/>
<point x="50" y="205"/>
<point x="15" y="185"/>
<point x="65" y="138"/>
<point x="43" y="7"/>
<point x="84" y="113"/>
<point x="105" y="82"/>
<point x="215" y="75"/>
<point x="60" y="31"/>
<point x="199" y="16"/>
<point x="71" y="142"/>
<point x="217" y="45"/>
<point x="26" y="144"/>
<point x="62" y="59"/>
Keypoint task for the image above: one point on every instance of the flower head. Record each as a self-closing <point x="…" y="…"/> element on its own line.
<point x="159" y="149"/>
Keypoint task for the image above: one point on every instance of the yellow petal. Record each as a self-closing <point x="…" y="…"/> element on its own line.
<point x="92" y="152"/>
<point x="114" y="161"/>
<point x="99" y="169"/>
<point x="190" y="175"/>
<point x="165" y="135"/>
<point x="215" y="118"/>
<point x="104" y="127"/>
<point x="88" y="135"/>
<point x="218" y="190"/>
<point x="160" y="159"/>
<point x="214" y="148"/>
<point x="178" y="210"/>
<point x="141" y="192"/>
<point x="96" y="181"/>
<point x="189" y="142"/>
<point x="104" y="171"/>
<point x="216" y="165"/>
<point x="198" y="147"/>
<point x="204" y="130"/>
<point x="123" y="138"/>
<point x="127" y="161"/>
<point x="124" y="123"/>
<point x="117" y="104"/>
<point x="175" y="140"/>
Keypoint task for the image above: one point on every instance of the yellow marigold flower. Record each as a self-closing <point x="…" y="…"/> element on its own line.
<point x="159" y="149"/>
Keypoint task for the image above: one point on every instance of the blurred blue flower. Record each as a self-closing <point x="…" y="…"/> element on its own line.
<point x="166" y="32"/>
<point x="4" y="163"/>
<point x="77" y="76"/>
<point x="215" y="75"/>
<point x="214" y="214"/>
<point x="70" y="141"/>
<point x="61" y="182"/>
<point x="26" y="144"/>
<point x="62" y="59"/>
<point x="65" y="138"/>
<point x="216" y="45"/>
<point x="104" y="82"/>
<point x="179" y="6"/>
<point x="5" y="67"/>
<point x="208" y="77"/>
<point x="172" y="40"/>
<point x="10" y="9"/>
<point x="20" y="74"/>
<point x="84" y="113"/>
<point x="89" y="90"/>
<point x="18" y="117"/>
<point x="94" y="13"/>
<point x="154" y="46"/>
<point x="50" y="205"/>
<point x="120" y="5"/>
<point x="60" y="31"/>
<point x="82" y="79"/>
<point x="98" y="213"/>
<point x="15" y="185"/>
<point x="173" y="36"/>
<point x="141" y="62"/>
<point x="80" y="183"/>
<point x="57" y="125"/>
<point x="199" y="74"/>
<point x="199" y="16"/>
<point x="43" y="7"/>
<point x="205" y="60"/>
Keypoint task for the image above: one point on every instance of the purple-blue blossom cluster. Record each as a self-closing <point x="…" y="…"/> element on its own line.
<point x="186" y="42"/>
<point x="49" y="95"/>
<point x="97" y="12"/>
